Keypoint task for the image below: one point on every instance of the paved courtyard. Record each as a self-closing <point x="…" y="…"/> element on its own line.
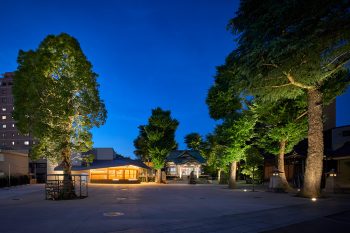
<point x="169" y="208"/>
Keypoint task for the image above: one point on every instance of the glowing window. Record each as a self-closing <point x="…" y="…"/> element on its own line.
<point x="13" y="143"/>
<point x="26" y="143"/>
<point x="4" y="126"/>
<point x="3" y="109"/>
<point x="3" y="117"/>
<point x="13" y="125"/>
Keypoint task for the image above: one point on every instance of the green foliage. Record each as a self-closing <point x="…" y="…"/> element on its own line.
<point x="253" y="163"/>
<point x="214" y="153"/>
<point x="287" y="47"/>
<point x="235" y="135"/>
<point x="193" y="141"/>
<point x="140" y="144"/>
<point x="224" y="98"/>
<point x="284" y="120"/>
<point x="159" y="136"/>
<point x="56" y="97"/>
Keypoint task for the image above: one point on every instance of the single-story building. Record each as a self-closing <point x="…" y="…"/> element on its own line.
<point x="14" y="163"/>
<point x="109" y="167"/>
<point x="336" y="158"/>
<point x="180" y="163"/>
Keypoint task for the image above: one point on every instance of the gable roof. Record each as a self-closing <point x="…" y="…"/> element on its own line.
<point x="185" y="156"/>
<point x="343" y="151"/>
<point x="118" y="162"/>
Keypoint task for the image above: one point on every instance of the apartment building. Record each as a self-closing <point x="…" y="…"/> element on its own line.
<point x="10" y="137"/>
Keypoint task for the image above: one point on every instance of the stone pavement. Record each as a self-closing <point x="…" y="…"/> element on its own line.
<point x="169" y="208"/>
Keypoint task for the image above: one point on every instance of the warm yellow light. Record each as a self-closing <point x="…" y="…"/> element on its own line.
<point x="313" y="199"/>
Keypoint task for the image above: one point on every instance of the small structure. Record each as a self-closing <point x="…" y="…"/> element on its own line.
<point x="109" y="167"/>
<point x="180" y="163"/>
<point x="54" y="186"/>
<point x="275" y="181"/>
<point x="13" y="163"/>
<point x="330" y="181"/>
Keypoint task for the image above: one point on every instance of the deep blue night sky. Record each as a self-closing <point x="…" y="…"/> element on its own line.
<point x="147" y="53"/>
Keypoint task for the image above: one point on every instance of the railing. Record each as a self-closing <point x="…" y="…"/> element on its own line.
<point x="54" y="189"/>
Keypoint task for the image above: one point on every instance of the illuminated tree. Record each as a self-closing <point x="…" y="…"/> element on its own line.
<point x="56" y="99"/>
<point x="282" y="125"/>
<point x="253" y="162"/>
<point x="291" y="48"/>
<point x="159" y="136"/>
<point x="193" y="141"/>
<point x="237" y="135"/>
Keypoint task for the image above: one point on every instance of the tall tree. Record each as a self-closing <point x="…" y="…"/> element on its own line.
<point x="160" y="138"/>
<point x="56" y="99"/>
<point x="214" y="151"/>
<point x="193" y="141"/>
<point x="237" y="135"/>
<point x="253" y="162"/>
<point x="292" y="47"/>
<point x="281" y="131"/>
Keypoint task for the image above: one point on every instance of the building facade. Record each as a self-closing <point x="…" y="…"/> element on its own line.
<point x="13" y="163"/>
<point x="180" y="163"/>
<point x="10" y="137"/>
<point x="108" y="167"/>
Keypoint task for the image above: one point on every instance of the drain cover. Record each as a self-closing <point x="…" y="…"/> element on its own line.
<point x="113" y="214"/>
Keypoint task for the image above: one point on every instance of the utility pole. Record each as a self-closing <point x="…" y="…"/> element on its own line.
<point x="9" y="175"/>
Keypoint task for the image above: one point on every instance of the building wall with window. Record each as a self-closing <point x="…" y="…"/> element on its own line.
<point x="13" y="163"/>
<point x="10" y="137"/>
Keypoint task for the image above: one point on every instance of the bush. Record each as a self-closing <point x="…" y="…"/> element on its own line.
<point x="15" y="180"/>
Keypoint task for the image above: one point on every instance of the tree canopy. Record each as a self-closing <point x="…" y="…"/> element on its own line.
<point x="193" y="141"/>
<point x="290" y="48"/>
<point x="56" y="98"/>
<point x="157" y="138"/>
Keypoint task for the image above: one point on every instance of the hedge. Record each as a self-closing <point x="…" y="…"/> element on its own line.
<point x="15" y="180"/>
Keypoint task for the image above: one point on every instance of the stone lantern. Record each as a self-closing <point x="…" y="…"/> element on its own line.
<point x="275" y="183"/>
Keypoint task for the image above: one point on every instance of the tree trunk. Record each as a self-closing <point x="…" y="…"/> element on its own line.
<point x="280" y="165"/>
<point x="146" y="176"/>
<point x="159" y="176"/>
<point x="219" y="176"/>
<point x="314" y="159"/>
<point x="232" y="181"/>
<point x="68" y="188"/>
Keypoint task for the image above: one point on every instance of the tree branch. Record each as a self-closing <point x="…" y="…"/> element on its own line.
<point x="301" y="115"/>
<point x="270" y="64"/>
<point x="293" y="82"/>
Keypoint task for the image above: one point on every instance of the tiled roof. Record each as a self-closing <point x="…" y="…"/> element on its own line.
<point x="118" y="162"/>
<point x="342" y="151"/>
<point x="184" y="156"/>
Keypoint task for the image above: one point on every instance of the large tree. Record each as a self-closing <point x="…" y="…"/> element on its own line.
<point x="159" y="136"/>
<point x="56" y="99"/>
<point x="236" y="136"/>
<point x="291" y="48"/>
<point x="280" y="131"/>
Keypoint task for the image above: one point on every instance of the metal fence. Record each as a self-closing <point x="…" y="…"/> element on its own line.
<point x="54" y="189"/>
